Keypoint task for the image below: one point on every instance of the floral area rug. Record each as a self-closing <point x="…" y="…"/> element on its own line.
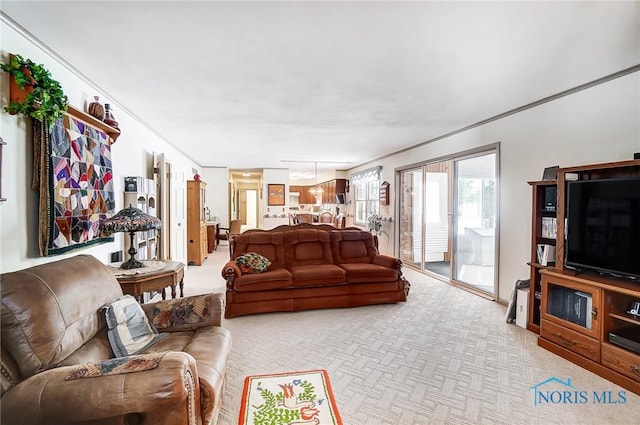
<point x="292" y="398"/>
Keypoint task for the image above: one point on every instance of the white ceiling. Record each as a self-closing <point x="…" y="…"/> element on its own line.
<point x="249" y="84"/>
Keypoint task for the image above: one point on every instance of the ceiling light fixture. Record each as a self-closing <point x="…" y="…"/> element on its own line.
<point x="316" y="190"/>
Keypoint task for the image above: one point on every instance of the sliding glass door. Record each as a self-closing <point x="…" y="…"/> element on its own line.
<point x="475" y="221"/>
<point x="447" y="223"/>
<point x="436" y="218"/>
<point x="411" y="195"/>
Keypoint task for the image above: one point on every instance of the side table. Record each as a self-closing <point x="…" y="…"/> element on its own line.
<point x="137" y="284"/>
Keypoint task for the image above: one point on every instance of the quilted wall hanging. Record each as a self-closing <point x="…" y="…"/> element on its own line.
<point x="73" y="172"/>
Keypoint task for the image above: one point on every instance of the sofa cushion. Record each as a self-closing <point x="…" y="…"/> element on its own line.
<point x="252" y="262"/>
<point x="317" y="275"/>
<point x="271" y="279"/>
<point x="269" y="245"/>
<point x="368" y="273"/>
<point x="306" y="247"/>
<point x="129" y="329"/>
<point x="209" y="347"/>
<point x="352" y="246"/>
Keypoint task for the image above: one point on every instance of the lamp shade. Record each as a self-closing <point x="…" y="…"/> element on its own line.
<point x="130" y="219"/>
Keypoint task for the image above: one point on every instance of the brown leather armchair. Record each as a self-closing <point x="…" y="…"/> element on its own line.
<point x="57" y="362"/>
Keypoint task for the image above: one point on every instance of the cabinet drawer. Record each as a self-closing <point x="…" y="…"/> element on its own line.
<point x="571" y="340"/>
<point x="621" y="360"/>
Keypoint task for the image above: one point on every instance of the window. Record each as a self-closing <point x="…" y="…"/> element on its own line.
<point x="367" y="199"/>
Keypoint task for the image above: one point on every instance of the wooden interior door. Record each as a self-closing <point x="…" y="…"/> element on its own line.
<point x="179" y="208"/>
<point x="242" y="206"/>
<point x="165" y="190"/>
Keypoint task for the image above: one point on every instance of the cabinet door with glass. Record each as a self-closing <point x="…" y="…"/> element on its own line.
<point x="571" y="304"/>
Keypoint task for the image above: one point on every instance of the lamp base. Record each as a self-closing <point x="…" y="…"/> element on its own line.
<point x="131" y="263"/>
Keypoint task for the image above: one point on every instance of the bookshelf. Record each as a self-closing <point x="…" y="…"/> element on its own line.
<point x="544" y="234"/>
<point x="578" y="314"/>
<point x="145" y="199"/>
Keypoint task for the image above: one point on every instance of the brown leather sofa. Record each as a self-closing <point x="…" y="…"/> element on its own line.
<point x="53" y="331"/>
<point x="312" y="266"/>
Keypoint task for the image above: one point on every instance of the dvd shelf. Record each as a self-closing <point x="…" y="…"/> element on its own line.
<point x="549" y="228"/>
<point x="543" y="244"/>
<point x="588" y="318"/>
<point x="546" y="254"/>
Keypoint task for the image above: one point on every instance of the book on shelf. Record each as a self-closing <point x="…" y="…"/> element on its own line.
<point x="153" y="250"/>
<point x="546" y="254"/>
<point x="582" y="308"/>
<point x="549" y="228"/>
<point x="571" y="305"/>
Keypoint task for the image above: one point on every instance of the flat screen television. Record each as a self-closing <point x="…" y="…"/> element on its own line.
<point x="603" y="226"/>
<point x="340" y="198"/>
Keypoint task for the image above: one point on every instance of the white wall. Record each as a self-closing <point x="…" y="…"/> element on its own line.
<point x="599" y="124"/>
<point x="217" y="196"/>
<point x="132" y="156"/>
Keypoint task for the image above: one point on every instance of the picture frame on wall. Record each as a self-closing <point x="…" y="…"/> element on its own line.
<point x="275" y="194"/>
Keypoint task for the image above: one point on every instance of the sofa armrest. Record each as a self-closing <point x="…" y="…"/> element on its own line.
<point x="46" y="397"/>
<point x="230" y="271"/>
<point x="387" y="261"/>
<point x="186" y="314"/>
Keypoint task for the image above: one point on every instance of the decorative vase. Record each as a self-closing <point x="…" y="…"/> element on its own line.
<point x="196" y="177"/>
<point x="108" y="116"/>
<point x="96" y="109"/>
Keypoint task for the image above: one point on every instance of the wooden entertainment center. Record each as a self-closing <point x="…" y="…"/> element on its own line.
<point x="585" y="343"/>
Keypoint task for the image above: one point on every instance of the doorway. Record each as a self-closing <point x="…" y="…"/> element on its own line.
<point x="170" y="203"/>
<point x="447" y="225"/>
<point x="437" y="241"/>
<point x="248" y="207"/>
<point x="425" y="236"/>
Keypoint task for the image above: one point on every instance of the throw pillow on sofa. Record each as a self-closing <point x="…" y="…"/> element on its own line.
<point x="129" y="329"/>
<point x="252" y="262"/>
<point x="116" y="366"/>
<point x="183" y="312"/>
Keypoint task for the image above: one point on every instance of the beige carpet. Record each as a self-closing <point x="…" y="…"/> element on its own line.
<point x="443" y="357"/>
